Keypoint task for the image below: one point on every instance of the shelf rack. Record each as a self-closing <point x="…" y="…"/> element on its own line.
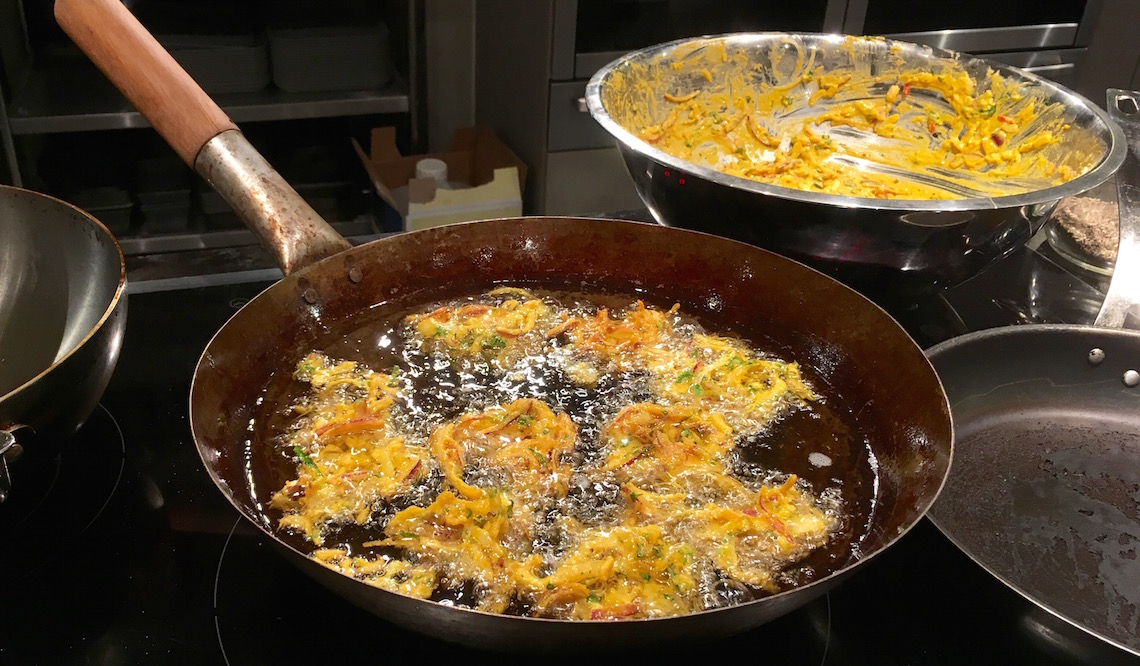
<point x="67" y="96"/>
<point x="56" y="90"/>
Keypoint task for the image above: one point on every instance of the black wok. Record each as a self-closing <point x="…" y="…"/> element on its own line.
<point x="866" y="363"/>
<point x="62" y="314"/>
<point x="1045" y="488"/>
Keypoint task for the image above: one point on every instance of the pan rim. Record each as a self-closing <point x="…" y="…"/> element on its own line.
<point x="818" y="586"/>
<point x="120" y="290"/>
<point x="1025" y="329"/>
<point x="949" y="534"/>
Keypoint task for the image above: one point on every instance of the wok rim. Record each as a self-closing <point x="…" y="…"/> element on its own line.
<point x="1105" y="169"/>
<point x="810" y="590"/>
<point x="120" y="290"/>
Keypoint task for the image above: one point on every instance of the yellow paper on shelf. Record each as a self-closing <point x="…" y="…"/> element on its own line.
<point x="501" y="197"/>
<point x="485" y="179"/>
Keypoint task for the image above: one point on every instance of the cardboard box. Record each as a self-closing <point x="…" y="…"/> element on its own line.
<point x="487" y="175"/>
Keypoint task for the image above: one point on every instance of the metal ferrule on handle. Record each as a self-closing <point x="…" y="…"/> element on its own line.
<point x="284" y="222"/>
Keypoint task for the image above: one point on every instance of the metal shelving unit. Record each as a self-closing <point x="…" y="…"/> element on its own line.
<point x="52" y="92"/>
<point x="64" y="96"/>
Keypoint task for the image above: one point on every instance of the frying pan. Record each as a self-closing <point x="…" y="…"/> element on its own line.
<point x="1045" y="488"/>
<point x="62" y="314"/>
<point x="861" y="358"/>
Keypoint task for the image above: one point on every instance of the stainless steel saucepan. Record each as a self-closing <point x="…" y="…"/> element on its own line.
<point x="62" y="314"/>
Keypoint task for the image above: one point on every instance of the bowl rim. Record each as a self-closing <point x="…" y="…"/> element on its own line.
<point x="1105" y="169"/>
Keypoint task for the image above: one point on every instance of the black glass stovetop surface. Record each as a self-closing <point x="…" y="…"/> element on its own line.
<point x="120" y="550"/>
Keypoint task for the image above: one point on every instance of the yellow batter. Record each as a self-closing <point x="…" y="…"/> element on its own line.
<point x="906" y="134"/>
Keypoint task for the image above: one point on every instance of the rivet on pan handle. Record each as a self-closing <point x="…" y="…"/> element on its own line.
<point x="1121" y="307"/>
<point x="199" y="131"/>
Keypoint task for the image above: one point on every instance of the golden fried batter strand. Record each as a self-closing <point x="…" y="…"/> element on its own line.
<point x="650" y="444"/>
<point x="348" y="458"/>
<point x="627" y="341"/>
<point x="722" y="374"/>
<point x="525" y="440"/>
<point x="478" y="328"/>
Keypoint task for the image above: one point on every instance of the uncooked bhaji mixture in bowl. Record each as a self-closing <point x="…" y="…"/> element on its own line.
<point x="854" y="116"/>
<point x="569" y="456"/>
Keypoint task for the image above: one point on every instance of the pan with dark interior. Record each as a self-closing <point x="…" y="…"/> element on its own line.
<point x="62" y="314"/>
<point x="883" y="392"/>
<point x="1045" y="488"/>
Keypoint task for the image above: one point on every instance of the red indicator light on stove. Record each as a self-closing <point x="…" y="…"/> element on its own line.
<point x="680" y="181"/>
<point x="666" y="173"/>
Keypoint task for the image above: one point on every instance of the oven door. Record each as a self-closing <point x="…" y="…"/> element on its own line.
<point x="589" y="34"/>
<point x="1047" y="37"/>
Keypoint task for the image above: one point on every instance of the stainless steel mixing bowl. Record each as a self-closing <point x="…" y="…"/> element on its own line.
<point x="872" y="244"/>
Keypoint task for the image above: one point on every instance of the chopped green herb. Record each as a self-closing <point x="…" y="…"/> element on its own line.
<point x="684" y="377"/>
<point x="305" y="459"/>
<point x="696" y="390"/>
<point x="494" y="342"/>
<point x="440" y="331"/>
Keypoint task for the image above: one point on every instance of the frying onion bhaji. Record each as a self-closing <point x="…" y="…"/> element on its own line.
<point x="492" y="500"/>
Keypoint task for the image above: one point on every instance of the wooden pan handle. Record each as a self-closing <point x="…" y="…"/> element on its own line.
<point x="142" y="69"/>
<point x="200" y="132"/>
